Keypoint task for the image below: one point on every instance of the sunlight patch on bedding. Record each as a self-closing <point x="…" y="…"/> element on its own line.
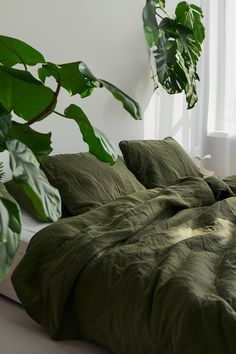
<point x="221" y="228"/>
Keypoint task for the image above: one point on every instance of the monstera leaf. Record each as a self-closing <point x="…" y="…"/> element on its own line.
<point x="13" y="51"/>
<point x="26" y="171"/>
<point x="191" y="17"/>
<point x="98" y="143"/>
<point x="176" y="45"/>
<point x="10" y="228"/>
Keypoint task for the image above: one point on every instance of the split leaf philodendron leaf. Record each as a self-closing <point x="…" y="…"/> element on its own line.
<point x="26" y="171"/>
<point x="176" y="44"/>
<point x="10" y="229"/>
<point x="38" y="143"/>
<point x="129" y="104"/>
<point x="190" y="16"/>
<point x="21" y="93"/>
<point x="98" y="143"/>
<point x="14" y="51"/>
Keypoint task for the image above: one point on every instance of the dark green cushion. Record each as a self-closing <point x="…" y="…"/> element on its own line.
<point x="158" y="163"/>
<point x="84" y="182"/>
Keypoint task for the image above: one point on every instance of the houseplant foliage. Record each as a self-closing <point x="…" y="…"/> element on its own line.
<point x="176" y="44"/>
<point x="28" y="97"/>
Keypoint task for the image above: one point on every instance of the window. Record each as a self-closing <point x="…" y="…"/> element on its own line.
<point x="222" y="67"/>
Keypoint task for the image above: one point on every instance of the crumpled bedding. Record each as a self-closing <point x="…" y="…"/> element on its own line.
<point x="150" y="273"/>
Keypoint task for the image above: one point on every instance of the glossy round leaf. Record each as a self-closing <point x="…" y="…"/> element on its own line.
<point x="21" y="93"/>
<point x="25" y="170"/>
<point x="14" y="51"/>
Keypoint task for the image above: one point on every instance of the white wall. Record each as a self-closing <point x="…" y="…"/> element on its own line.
<point x="108" y="36"/>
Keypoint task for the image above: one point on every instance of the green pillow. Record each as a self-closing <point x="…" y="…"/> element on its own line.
<point x="158" y="163"/>
<point x="84" y="182"/>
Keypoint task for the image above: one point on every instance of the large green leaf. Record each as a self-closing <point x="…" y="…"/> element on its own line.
<point x="22" y="93"/>
<point x="5" y="127"/>
<point x="13" y="51"/>
<point x="26" y="171"/>
<point x="69" y="77"/>
<point x="98" y="143"/>
<point x="162" y="55"/>
<point x="77" y="78"/>
<point x="187" y="45"/>
<point x="129" y="104"/>
<point x="190" y="84"/>
<point x="150" y="23"/>
<point x="10" y="228"/>
<point x="191" y="30"/>
<point x="191" y="16"/>
<point x="38" y="143"/>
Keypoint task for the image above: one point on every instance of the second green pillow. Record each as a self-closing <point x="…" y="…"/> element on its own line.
<point x="158" y="163"/>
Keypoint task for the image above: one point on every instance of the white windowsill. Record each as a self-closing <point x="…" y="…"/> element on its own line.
<point x="222" y="134"/>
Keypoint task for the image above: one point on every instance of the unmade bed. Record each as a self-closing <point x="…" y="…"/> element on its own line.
<point x="153" y="272"/>
<point x="144" y="265"/>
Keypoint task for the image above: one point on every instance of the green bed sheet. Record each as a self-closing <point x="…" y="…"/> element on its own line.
<point x="150" y="273"/>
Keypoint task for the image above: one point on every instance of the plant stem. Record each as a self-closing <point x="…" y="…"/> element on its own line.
<point x="1" y="170"/>
<point x="47" y="109"/>
<point x="163" y="10"/>
<point x="153" y="75"/>
<point x="158" y="15"/>
<point x="59" y="114"/>
<point x="166" y="13"/>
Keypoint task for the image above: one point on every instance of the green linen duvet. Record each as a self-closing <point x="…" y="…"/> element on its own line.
<point x="150" y="273"/>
